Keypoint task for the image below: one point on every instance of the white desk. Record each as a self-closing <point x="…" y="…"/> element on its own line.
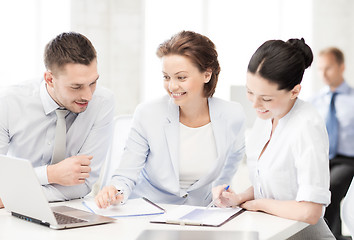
<point x="268" y="226"/>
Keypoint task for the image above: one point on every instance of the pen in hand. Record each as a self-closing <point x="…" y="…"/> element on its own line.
<point x="213" y="202"/>
<point x="115" y="195"/>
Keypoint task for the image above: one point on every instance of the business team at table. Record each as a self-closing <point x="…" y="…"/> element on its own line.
<point x="182" y="148"/>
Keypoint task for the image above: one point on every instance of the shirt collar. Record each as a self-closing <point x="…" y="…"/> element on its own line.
<point x="344" y="88"/>
<point x="49" y="105"/>
<point x="287" y="116"/>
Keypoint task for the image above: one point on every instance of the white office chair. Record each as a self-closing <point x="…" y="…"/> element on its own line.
<point x="122" y="126"/>
<point x="239" y="94"/>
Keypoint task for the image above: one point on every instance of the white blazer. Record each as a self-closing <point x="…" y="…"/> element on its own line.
<point x="149" y="165"/>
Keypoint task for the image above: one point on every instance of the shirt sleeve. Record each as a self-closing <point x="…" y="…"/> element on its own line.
<point x="96" y="144"/>
<point x="4" y="128"/>
<point x="41" y="173"/>
<point x="56" y="192"/>
<point x="312" y="163"/>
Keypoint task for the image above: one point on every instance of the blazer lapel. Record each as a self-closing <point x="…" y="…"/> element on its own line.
<point x="172" y="136"/>
<point x="218" y="128"/>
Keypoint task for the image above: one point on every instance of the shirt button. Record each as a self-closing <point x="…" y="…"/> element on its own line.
<point x="49" y="143"/>
<point x="186" y="195"/>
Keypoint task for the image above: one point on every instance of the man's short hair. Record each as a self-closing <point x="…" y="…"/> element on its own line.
<point x="336" y="52"/>
<point x="68" y="47"/>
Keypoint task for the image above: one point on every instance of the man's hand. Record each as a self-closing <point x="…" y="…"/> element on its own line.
<point x="71" y="171"/>
<point x="1" y="204"/>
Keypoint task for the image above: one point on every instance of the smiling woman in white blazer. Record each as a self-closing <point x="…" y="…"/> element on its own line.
<point x="183" y="144"/>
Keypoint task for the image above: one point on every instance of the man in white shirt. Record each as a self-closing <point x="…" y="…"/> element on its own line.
<point x="28" y="119"/>
<point x="340" y="128"/>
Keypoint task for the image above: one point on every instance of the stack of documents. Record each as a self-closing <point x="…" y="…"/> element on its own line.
<point x="132" y="208"/>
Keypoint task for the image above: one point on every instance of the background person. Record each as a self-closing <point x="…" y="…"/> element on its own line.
<point x="335" y="103"/>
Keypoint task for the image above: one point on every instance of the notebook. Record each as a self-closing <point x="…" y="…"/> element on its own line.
<point x="132" y="208"/>
<point x="197" y="235"/>
<point x="23" y="196"/>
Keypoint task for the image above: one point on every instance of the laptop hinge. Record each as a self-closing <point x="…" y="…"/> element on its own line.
<point x="29" y="219"/>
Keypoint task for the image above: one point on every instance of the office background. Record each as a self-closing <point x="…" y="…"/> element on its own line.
<point x="126" y="34"/>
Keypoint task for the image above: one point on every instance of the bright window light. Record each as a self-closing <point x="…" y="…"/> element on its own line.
<point x="27" y="25"/>
<point x="237" y="28"/>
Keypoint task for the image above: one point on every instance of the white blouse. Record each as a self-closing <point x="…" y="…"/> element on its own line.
<point x="197" y="153"/>
<point x="294" y="165"/>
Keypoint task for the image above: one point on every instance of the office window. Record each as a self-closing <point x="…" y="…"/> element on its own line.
<point x="26" y="26"/>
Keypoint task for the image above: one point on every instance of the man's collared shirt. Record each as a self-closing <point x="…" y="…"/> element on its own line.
<point x="27" y="130"/>
<point x="344" y="106"/>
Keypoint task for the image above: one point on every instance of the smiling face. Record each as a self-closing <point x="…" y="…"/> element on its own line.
<point x="183" y="81"/>
<point x="268" y="101"/>
<point x="72" y="87"/>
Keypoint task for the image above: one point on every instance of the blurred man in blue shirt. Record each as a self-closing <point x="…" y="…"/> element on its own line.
<point x="335" y="102"/>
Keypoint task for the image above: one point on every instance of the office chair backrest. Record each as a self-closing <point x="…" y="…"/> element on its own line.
<point x="239" y="94"/>
<point x="122" y="126"/>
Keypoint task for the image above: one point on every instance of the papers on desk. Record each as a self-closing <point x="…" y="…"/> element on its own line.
<point x="198" y="216"/>
<point x="132" y="208"/>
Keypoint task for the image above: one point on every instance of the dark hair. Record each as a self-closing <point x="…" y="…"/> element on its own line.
<point x="199" y="49"/>
<point x="280" y="62"/>
<point x="68" y="47"/>
<point x="336" y="52"/>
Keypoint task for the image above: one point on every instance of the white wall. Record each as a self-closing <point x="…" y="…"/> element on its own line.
<point x="26" y="26"/>
<point x="333" y="26"/>
<point x="116" y="28"/>
<point x="237" y="28"/>
<point x="127" y="33"/>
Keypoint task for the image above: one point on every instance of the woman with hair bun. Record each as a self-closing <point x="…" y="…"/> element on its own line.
<point x="287" y="150"/>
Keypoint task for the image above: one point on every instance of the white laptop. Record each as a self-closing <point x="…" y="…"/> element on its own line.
<point x="23" y="196"/>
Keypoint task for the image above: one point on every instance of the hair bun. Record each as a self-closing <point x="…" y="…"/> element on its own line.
<point x="304" y="49"/>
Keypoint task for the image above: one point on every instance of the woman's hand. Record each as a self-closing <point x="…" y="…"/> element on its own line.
<point x="225" y="198"/>
<point x="107" y="196"/>
<point x="252" y="205"/>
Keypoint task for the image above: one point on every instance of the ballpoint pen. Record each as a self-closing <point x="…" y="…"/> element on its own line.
<point x="212" y="202"/>
<point x="120" y="192"/>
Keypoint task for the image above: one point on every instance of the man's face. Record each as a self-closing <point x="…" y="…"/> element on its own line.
<point x="72" y="86"/>
<point x="330" y="71"/>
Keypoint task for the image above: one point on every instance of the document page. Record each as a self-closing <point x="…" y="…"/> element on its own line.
<point x="133" y="207"/>
<point x="192" y="215"/>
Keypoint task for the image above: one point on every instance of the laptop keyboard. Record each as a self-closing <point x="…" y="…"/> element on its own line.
<point x="65" y="219"/>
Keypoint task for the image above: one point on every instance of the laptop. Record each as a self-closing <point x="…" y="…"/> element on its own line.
<point x="23" y="196"/>
<point x="153" y="234"/>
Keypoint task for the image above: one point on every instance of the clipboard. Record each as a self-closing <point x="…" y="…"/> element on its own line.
<point x="198" y="216"/>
